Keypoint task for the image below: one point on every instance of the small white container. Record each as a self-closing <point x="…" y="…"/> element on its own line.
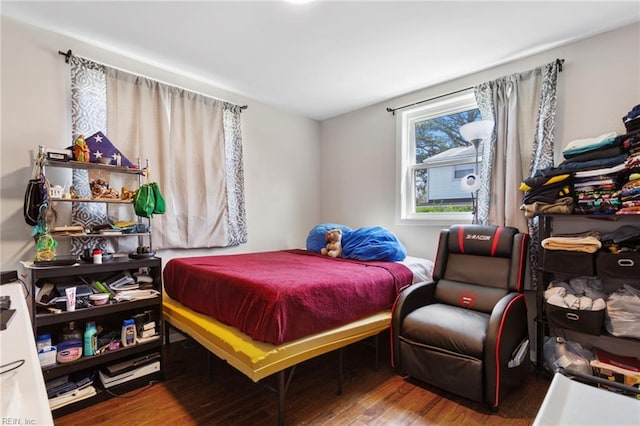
<point x="99" y="299"/>
<point x="47" y="356"/>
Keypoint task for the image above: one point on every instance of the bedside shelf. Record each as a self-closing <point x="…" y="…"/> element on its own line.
<point x="108" y="317"/>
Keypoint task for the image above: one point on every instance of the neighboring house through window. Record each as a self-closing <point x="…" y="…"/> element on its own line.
<point x="434" y="158"/>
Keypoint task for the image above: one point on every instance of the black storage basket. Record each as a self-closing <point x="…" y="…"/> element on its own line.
<point x="584" y="321"/>
<point x="569" y="262"/>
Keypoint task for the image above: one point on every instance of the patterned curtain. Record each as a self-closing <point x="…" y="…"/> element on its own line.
<point x="149" y="119"/>
<point x="88" y="115"/>
<point x="523" y="108"/>
<point x="236" y="217"/>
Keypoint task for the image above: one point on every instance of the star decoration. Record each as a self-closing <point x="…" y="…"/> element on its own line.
<point x="101" y="148"/>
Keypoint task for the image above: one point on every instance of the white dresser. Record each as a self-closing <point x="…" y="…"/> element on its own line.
<point x="24" y="398"/>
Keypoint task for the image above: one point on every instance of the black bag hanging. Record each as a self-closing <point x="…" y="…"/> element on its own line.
<point x="36" y="193"/>
<point x="33" y="200"/>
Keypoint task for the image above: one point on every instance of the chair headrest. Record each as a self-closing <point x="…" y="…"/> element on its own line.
<point x="482" y="240"/>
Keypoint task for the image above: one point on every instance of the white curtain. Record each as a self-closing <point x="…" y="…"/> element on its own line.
<point x="194" y="147"/>
<point x="523" y="108"/>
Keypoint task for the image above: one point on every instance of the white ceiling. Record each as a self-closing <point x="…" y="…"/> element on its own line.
<point x="325" y="58"/>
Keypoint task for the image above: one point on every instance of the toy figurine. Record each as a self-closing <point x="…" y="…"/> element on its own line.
<point x="81" y="150"/>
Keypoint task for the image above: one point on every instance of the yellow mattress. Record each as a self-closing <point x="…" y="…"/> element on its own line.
<point x="258" y="360"/>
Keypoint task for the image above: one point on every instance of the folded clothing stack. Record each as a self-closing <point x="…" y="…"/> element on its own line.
<point x="580" y="293"/>
<point x="632" y="119"/>
<point x="586" y="242"/>
<point x="548" y="191"/>
<point x="596" y="183"/>
<point x="599" y="175"/>
<point x="630" y="191"/>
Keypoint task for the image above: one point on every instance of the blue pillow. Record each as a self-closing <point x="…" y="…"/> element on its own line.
<point x="316" y="238"/>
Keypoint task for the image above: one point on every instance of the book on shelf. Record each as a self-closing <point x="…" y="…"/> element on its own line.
<point x="627" y="365"/>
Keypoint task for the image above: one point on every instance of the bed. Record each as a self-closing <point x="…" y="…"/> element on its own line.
<point x="266" y="312"/>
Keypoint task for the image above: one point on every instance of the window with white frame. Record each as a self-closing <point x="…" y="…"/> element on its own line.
<point x="434" y="158"/>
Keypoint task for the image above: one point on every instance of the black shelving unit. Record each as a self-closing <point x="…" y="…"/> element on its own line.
<point x="606" y="341"/>
<point x="112" y="313"/>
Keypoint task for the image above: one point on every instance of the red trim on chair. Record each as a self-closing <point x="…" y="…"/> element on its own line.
<point x="461" y="239"/>
<point x="496" y="239"/>
<point x="504" y="317"/>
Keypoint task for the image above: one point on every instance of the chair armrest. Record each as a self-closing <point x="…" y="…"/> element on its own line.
<point x="413" y="297"/>
<point x="507" y="325"/>
<point x="507" y="328"/>
<point x="409" y="299"/>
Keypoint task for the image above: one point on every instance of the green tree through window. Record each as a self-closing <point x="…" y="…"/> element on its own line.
<point x="434" y="136"/>
<point x="433" y="156"/>
<point x="442" y="133"/>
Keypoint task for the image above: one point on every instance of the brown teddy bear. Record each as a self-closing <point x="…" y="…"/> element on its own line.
<point x="333" y="248"/>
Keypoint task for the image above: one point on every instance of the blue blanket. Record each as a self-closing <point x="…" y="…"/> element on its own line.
<point x="373" y="243"/>
<point x="366" y="244"/>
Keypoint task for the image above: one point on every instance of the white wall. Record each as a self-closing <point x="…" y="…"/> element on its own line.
<point x="281" y="150"/>
<point x="348" y="160"/>
<point x="600" y="84"/>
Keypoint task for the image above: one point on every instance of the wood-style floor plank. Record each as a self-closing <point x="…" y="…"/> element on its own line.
<point x="369" y="397"/>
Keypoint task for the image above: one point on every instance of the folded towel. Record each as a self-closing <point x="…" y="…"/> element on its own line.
<point x="572" y="301"/>
<point x="585" y="303"/>
<point x="557" y="300"/>
<point x="554" y="291"/>
<point x="587" y="143"/>
<point x="598" y="305"/>
<point x="580" y="244"/>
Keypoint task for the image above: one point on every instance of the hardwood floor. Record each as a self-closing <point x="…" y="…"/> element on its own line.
<point x="369" y="397"/>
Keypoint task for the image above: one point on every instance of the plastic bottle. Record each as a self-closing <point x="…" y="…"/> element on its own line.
<point x="128" y="334"/>
<point x="44" y="340"/>
<point x="70" y="332"/>
<point x="90" y="339"/>
<point x="97" y="256"/>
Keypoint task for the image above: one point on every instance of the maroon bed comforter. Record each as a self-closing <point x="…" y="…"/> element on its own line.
<point x="280" y="296"/>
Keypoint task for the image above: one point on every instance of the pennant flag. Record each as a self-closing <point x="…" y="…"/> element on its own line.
<point x="101" y="147"/>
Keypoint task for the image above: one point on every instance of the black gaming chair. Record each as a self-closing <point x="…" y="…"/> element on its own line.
<point x="460" y="331"/>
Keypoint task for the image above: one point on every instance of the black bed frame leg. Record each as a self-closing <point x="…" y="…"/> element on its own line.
<point x="166" y="326"/>
<point x="376" y="343"/>
<point x="281" y="393"/>
<point x="340" y="367"/>
<point x="209" y="366"/>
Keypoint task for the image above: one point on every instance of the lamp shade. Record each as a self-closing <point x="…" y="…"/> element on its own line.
<point x="476" y="130"/>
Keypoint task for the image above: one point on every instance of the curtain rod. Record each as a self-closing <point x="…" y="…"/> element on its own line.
<point x="68" y="54"/>
<point x="393" y="110"/>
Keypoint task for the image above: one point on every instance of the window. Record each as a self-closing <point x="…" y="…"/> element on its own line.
<point x="461" y="172"/>
<point x="434" y="158"/>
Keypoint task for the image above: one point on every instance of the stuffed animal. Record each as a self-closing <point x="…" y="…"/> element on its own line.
<point x="81" y="150"/>
<point x="333" y="248"/>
